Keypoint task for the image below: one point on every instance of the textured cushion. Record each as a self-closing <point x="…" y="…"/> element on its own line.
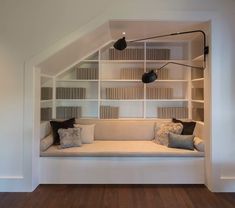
<point x="188" y="127"/>
<point x="181" y="141"/>
<point x="46" y="142"/>
<point x="45" y="129"/>
<point x="120" y="149"/>
<point x="163" y="129"/>
<point x="199" y="144"/>
<point x="87" y="133"/>
<point x="121" y="130"/>
<point x="70" y="137"/>
<point x="56" y="125"/>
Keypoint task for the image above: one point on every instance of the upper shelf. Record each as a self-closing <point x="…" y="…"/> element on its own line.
<point x="199" y="58"/>
<point x="198" y="80"/>
<point x="77" y="80"/>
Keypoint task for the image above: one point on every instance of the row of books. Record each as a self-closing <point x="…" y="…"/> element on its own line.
<point x="157" y="54"/>
<point x="138" y="54"/>
<point x="46" y="114"/>
<point x="127" y="54"/>
<point x="197" y="93"/>
<point x="46" y="93"/>
<point x="124" y="93"/>
<point x="68" y="112"/>
<point x="70" y="93"/>
<point x="87" y="73"/>
<point x="131" y="73"/>
<point x="108" y="112"/>
<point x="172" y="112"/>
<point x="162" y="74"/>
<point x="159" y="93"/>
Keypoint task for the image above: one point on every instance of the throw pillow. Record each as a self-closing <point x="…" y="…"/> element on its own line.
<point x="46" y="143"/>
<point x="181" y="141"/>
<point x="199" y="144"/>
<point x="188" y="127"/>
<point x="56" y="125"/>
<point x="87" y="132"/>
<point x="162" y="129"/>
<point x="70" y="137"/>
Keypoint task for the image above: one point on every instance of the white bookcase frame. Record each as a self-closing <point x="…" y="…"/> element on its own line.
<point x="100" y="62"/>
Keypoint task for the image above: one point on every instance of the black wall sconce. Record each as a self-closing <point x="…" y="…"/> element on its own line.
<point x="151" y="76"/>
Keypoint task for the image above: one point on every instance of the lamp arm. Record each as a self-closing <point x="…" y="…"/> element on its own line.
<point x="187" y="65"/>
<point x="205" y="48"/>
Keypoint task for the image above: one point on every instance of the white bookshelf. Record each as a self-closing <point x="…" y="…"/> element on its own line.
<point x="179" y="79"/>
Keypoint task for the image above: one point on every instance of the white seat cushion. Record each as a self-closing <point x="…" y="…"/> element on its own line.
<point x="120" y="148"/>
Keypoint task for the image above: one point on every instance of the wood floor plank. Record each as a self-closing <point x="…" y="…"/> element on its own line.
<point x="118" y="196"/>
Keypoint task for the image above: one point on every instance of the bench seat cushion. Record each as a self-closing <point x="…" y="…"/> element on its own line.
<point x="120" y="148"/>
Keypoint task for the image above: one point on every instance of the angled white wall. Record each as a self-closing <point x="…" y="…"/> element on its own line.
<point x="27" y="28"/>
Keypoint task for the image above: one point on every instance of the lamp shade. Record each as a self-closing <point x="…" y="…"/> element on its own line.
<point x="148" y="77"/>
<point x="120" y="44"/>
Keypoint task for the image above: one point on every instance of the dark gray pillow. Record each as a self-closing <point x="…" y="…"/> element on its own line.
<point x="180" y="141"/>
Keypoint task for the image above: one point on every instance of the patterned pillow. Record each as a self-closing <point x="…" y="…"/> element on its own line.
<point x="70" y="137"/>
<point x="162" y="129"/>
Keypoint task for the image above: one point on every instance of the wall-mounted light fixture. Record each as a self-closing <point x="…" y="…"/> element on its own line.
<point x="151" y="76"/>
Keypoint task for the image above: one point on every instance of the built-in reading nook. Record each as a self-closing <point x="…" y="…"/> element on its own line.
<point x="128" y="111"/>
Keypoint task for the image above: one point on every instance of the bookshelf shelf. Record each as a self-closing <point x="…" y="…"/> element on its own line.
<point x="90" y="61"/>
<point x="46" y="101"/>
<point x="168" y="60"/>
<point x="172" y="80"/>
<point x="198" y="101"/>
<point x="120" y="80"/>
<point x="78" y="100"/>
<point x="198" y="80"/>
<point x="199" y="58"/>
<point x="167" y="100"/>
<point x="122" y="100"/>
<point x="121" y="61"/>
<point x="77" y="80"/>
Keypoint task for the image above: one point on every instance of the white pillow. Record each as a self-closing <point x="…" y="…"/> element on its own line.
<point x="46" y="143"/>
<point x="199" y="144"/>
<point x="87" y="132"/>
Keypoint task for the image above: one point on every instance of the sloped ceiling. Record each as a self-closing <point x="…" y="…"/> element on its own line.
<point x="113" y="30"/>
<point x="75" y="51"/>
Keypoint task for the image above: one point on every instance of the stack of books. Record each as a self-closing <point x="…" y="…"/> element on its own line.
<point x="124" y="93"/>
<point x="127" y="54"/>
<point x="131" y="73"/>
<point x="172" y="112"/>
<point x="70" y="93"/>
<point x="46" y="114"/>
<point x="157" y="54"/>
<point x="46" y="93"/>
<point x="86" y="73"/>
<point x="68" y="112"/>
<point x="109" y="112"/>
<point x="159" y="93"/>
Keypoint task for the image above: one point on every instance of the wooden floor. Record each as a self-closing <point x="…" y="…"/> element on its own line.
<point x="118" y="196"/>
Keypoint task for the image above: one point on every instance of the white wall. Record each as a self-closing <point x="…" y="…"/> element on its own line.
<point x="29" y="28"/>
